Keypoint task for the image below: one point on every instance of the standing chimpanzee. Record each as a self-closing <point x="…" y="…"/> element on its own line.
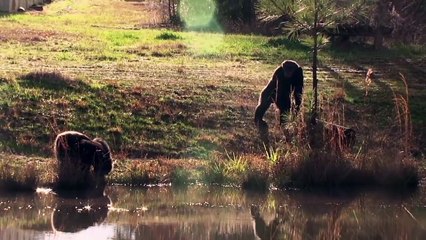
<point x="82" y="162"/>
<point x="286" y="82"/>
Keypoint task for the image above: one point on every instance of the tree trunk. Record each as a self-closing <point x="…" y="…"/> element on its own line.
<point x="170" y="9"/>
<point x="315" y="62"/>
<point x="381" y="18"/>
<point x="174" y="8"/>
<point x="378" y="39"/>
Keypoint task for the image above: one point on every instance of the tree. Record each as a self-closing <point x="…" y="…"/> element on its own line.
<point x="312" y="17"/>
<point x="223" y="11"/>
<point x="171" y="10"/>
<point x="405" y="19"/>
<point x="237" y="10"/>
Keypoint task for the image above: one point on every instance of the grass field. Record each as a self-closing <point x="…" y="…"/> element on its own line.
<point x="105" y="68"/>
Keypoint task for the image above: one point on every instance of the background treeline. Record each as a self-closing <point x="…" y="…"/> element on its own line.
<point x="401" y="21"/>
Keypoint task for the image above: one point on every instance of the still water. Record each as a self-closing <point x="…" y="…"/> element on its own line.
<point x="200" y="212"/>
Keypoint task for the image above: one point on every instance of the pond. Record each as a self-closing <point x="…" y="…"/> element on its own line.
<point x="203" y="212"/>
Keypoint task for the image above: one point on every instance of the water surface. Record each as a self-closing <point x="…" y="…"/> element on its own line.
<point x="200" y="212"/>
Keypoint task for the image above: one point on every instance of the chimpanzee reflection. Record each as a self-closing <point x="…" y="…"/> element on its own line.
<point x="74" y="213"/>
<point x="262" y="230"/>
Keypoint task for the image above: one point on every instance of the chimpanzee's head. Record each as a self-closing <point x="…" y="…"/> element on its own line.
<point x="290" y="68"/>
<point x="103" y="162"/>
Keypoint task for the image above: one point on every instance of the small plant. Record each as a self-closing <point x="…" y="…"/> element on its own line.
<point x="137" y="176"/>
<point x="129" y="172"/>
<point x="403" y="116"/>
<point x="256" y="179"/>
<point x="236" y="168"/>
<point x="168" y="36"/>
<point x="235" y="164"/>
<point x="215" y="172"/>
<point x="273" y="155"/>
<point x="180" y="177"/>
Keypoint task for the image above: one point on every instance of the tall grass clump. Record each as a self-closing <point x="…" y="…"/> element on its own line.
<point x="387" y="154"/>
<point x="273" y="155"/>
<point x="304" y="164"/>
<point x="50" y="80"/>
<point x="245" y="173"/>
<point x="18" y="178"/>
<point x="248" y="172"/>
<point x="180" y="177"/>
<point x="401" y="169"/>
<point x="403" y="117"/>
<point x="326" y="154"/>
<point x="215" y="172"/>
<point x="236" y="165"/>
<point x="225" y="170"/>
<point x="129" y="172"/>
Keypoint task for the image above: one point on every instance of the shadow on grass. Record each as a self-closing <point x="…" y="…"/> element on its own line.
<point x="168" y="36"/>
<point x="52" y="81"/>
<point x="353" y="52"/>
<point x="287" y="43"/>
<point x="5" y="14"/>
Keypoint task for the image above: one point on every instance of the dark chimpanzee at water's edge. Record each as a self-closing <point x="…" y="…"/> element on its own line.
<point x="81" y="161"/>
<point x="286" y="82"/>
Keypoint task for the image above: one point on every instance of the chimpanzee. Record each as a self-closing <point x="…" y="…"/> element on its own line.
<point x="286" y="82"/>
<point x="262" y="230"/>
<point x="80" y="159"/>
<point x="72" y="215"/>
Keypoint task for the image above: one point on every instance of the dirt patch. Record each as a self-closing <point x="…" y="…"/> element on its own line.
<point x="27" y="35"/>
<point x="156" y="10"/>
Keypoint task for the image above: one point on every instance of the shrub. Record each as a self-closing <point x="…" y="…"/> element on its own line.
<point x="168" y="36"/>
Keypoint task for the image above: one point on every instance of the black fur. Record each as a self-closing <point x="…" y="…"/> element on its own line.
<point x="80" y="157"/>
<point x="286" y="82"/>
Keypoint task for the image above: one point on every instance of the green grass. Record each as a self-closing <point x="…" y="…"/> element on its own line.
<point x="156" y="93"/>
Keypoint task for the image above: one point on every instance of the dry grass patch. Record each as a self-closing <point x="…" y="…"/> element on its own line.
<point x="26" y="35"/>
<point x="18" y="178"/>
<point x="160" y="171"/>
<point x="160" y="50"/>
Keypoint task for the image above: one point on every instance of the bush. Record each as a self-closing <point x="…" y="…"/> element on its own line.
<point x="168" y="36"/>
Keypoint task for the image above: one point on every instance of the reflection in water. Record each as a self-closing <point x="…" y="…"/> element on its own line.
<point x="200" y="212"/>
<point x="74" y="215"/>
<point x="262" y="230"/>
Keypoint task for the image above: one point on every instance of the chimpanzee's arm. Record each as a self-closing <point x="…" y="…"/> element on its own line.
<point x="88" y="150"/>
<point x="265" y="100"/>
<point x="298" y="87"/>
